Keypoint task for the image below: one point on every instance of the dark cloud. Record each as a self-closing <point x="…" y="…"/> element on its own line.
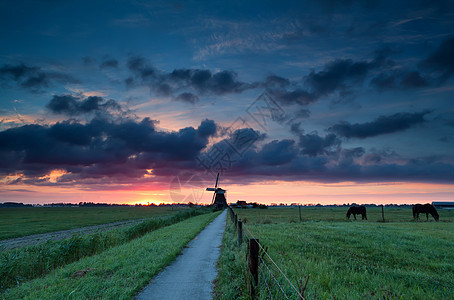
<point x="188" y="98"/>
<point x="400" y="80"/>
<point x="100" y="148"/>
<point x="312" y="144"/>
<point x="109" y="63"/>
<point x="184" y="81"/>
<point x="382" y="125"/>
<point x="105" y="151"/>
<point x="384" y="81"/>
<point x="441" y="60"/>
<point x="278" y="152"/>
<point x="273" y="81"/>
<point x="336" y="75"/>
<point x="73" y="106"/>
<point x="414" y="80"/>
<point x="32" y="78"/>
<point x="298" y="96"/>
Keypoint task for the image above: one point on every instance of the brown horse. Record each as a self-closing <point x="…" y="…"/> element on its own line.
<point x="357" y="210"/>
<point x="425" y="209"/>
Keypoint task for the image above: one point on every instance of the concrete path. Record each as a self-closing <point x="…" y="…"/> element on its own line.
<point x="190" y="276"/>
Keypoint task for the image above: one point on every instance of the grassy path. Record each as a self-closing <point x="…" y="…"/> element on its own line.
<point x="118" y="273"/>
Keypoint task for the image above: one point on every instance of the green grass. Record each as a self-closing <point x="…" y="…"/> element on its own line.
<point x="16" y="222"/>
<point x="232" y="268"/>
<point x="398" y="259"/>
<point x="19" y="265"/>
<point x="118" y="273"/>
<point x="291" y="214"/>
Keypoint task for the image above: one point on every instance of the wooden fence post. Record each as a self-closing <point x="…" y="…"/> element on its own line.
<point x="299" y="208"/>
<point x="236" y="221"/>
<point x="382" y="213"/>
<point x="253" y="265"/>
<point x="240" y="232"/>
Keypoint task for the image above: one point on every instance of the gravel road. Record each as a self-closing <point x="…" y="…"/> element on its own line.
<point x="59" y="235"/>
<point x="191" y="275"/>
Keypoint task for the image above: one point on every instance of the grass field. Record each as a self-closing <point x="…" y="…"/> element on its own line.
<point x="118" y="273"/>
<point x="397" y="259"/>
<point x="26" y="263"/>
<point x="16" y="222"/>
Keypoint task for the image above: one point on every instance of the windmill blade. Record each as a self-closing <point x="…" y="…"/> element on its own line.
<point x="217" y="179"/>
<point x="212" y="200"/>
<point x="210" y="189"/>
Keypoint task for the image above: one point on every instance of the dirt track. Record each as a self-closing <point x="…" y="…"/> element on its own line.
<point x="59" y="235"/>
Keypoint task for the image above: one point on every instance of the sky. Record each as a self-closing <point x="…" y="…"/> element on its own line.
<point x="305" y="102"/>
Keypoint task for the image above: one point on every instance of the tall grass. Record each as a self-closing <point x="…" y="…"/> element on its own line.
<point x="17" y="266"/>
<point x="232" y="268"/>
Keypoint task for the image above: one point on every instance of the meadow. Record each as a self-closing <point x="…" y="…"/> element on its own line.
<point x="26" y="263"/>
<point x="23" y="221"/>
<point x="396" y="259"/>
<point x="117" y="273"/>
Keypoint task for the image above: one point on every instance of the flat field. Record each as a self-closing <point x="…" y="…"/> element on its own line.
<point x="16" y="222"/>
<point x="117" y="273"/>
<point x="396" y="259"/>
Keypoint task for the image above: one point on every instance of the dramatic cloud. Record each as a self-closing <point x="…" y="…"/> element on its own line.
<point x="31" y="77"/>
<point x="312" y="144"/>
<point x="100" y="148"/>
<point x="336" y="75"/>
<point x="187" y="97"/>
<point x="187" y="82"/>
<point x="298" y="96"/>
<point x="400" y="80"/>
<point x="382" y="125"/>
<point x="278" y="152"/>
<point x="441" y="60"/>
<point x="73" y="106"/>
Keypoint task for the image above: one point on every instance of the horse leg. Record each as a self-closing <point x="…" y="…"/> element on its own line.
<point x="354" y="215"/>
<point x="427" y="216"/>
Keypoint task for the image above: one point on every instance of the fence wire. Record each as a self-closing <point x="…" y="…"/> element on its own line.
<point x="247" y="235"/>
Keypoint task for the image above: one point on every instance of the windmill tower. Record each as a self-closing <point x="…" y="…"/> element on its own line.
<point x="219" y="201"/>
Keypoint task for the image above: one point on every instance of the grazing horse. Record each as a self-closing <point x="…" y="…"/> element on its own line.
<point x="357" y="210"/>
<point x="425" y="209"/>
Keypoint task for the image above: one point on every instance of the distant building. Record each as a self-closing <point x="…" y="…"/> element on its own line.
<point x="442" y="204"/>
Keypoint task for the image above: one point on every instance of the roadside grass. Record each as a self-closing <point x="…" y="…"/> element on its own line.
<point x="23" y="221"/>
<point x="232" y="268"/>
<point x="118" y="273"/>
<point x="20" y="265"/>
<point x="362" y="259"/>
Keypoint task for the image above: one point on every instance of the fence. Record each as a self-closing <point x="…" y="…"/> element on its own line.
<point x="266" y="277"/>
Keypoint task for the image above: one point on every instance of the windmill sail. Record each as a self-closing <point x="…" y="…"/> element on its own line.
<point x="218" y="195"/>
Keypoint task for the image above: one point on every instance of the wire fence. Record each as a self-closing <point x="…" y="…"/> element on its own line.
<point x="273" y="283"/>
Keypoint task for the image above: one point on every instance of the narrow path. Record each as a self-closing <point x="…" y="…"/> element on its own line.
<point x="191" y="275"/>
<point x="60" y="235"/>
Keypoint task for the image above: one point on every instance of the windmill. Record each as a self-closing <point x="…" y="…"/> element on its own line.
<point x="218" y="199"/>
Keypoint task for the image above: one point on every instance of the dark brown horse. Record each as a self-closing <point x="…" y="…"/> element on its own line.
<point x="357" y="210"/>
<point x="425" y="209"/>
